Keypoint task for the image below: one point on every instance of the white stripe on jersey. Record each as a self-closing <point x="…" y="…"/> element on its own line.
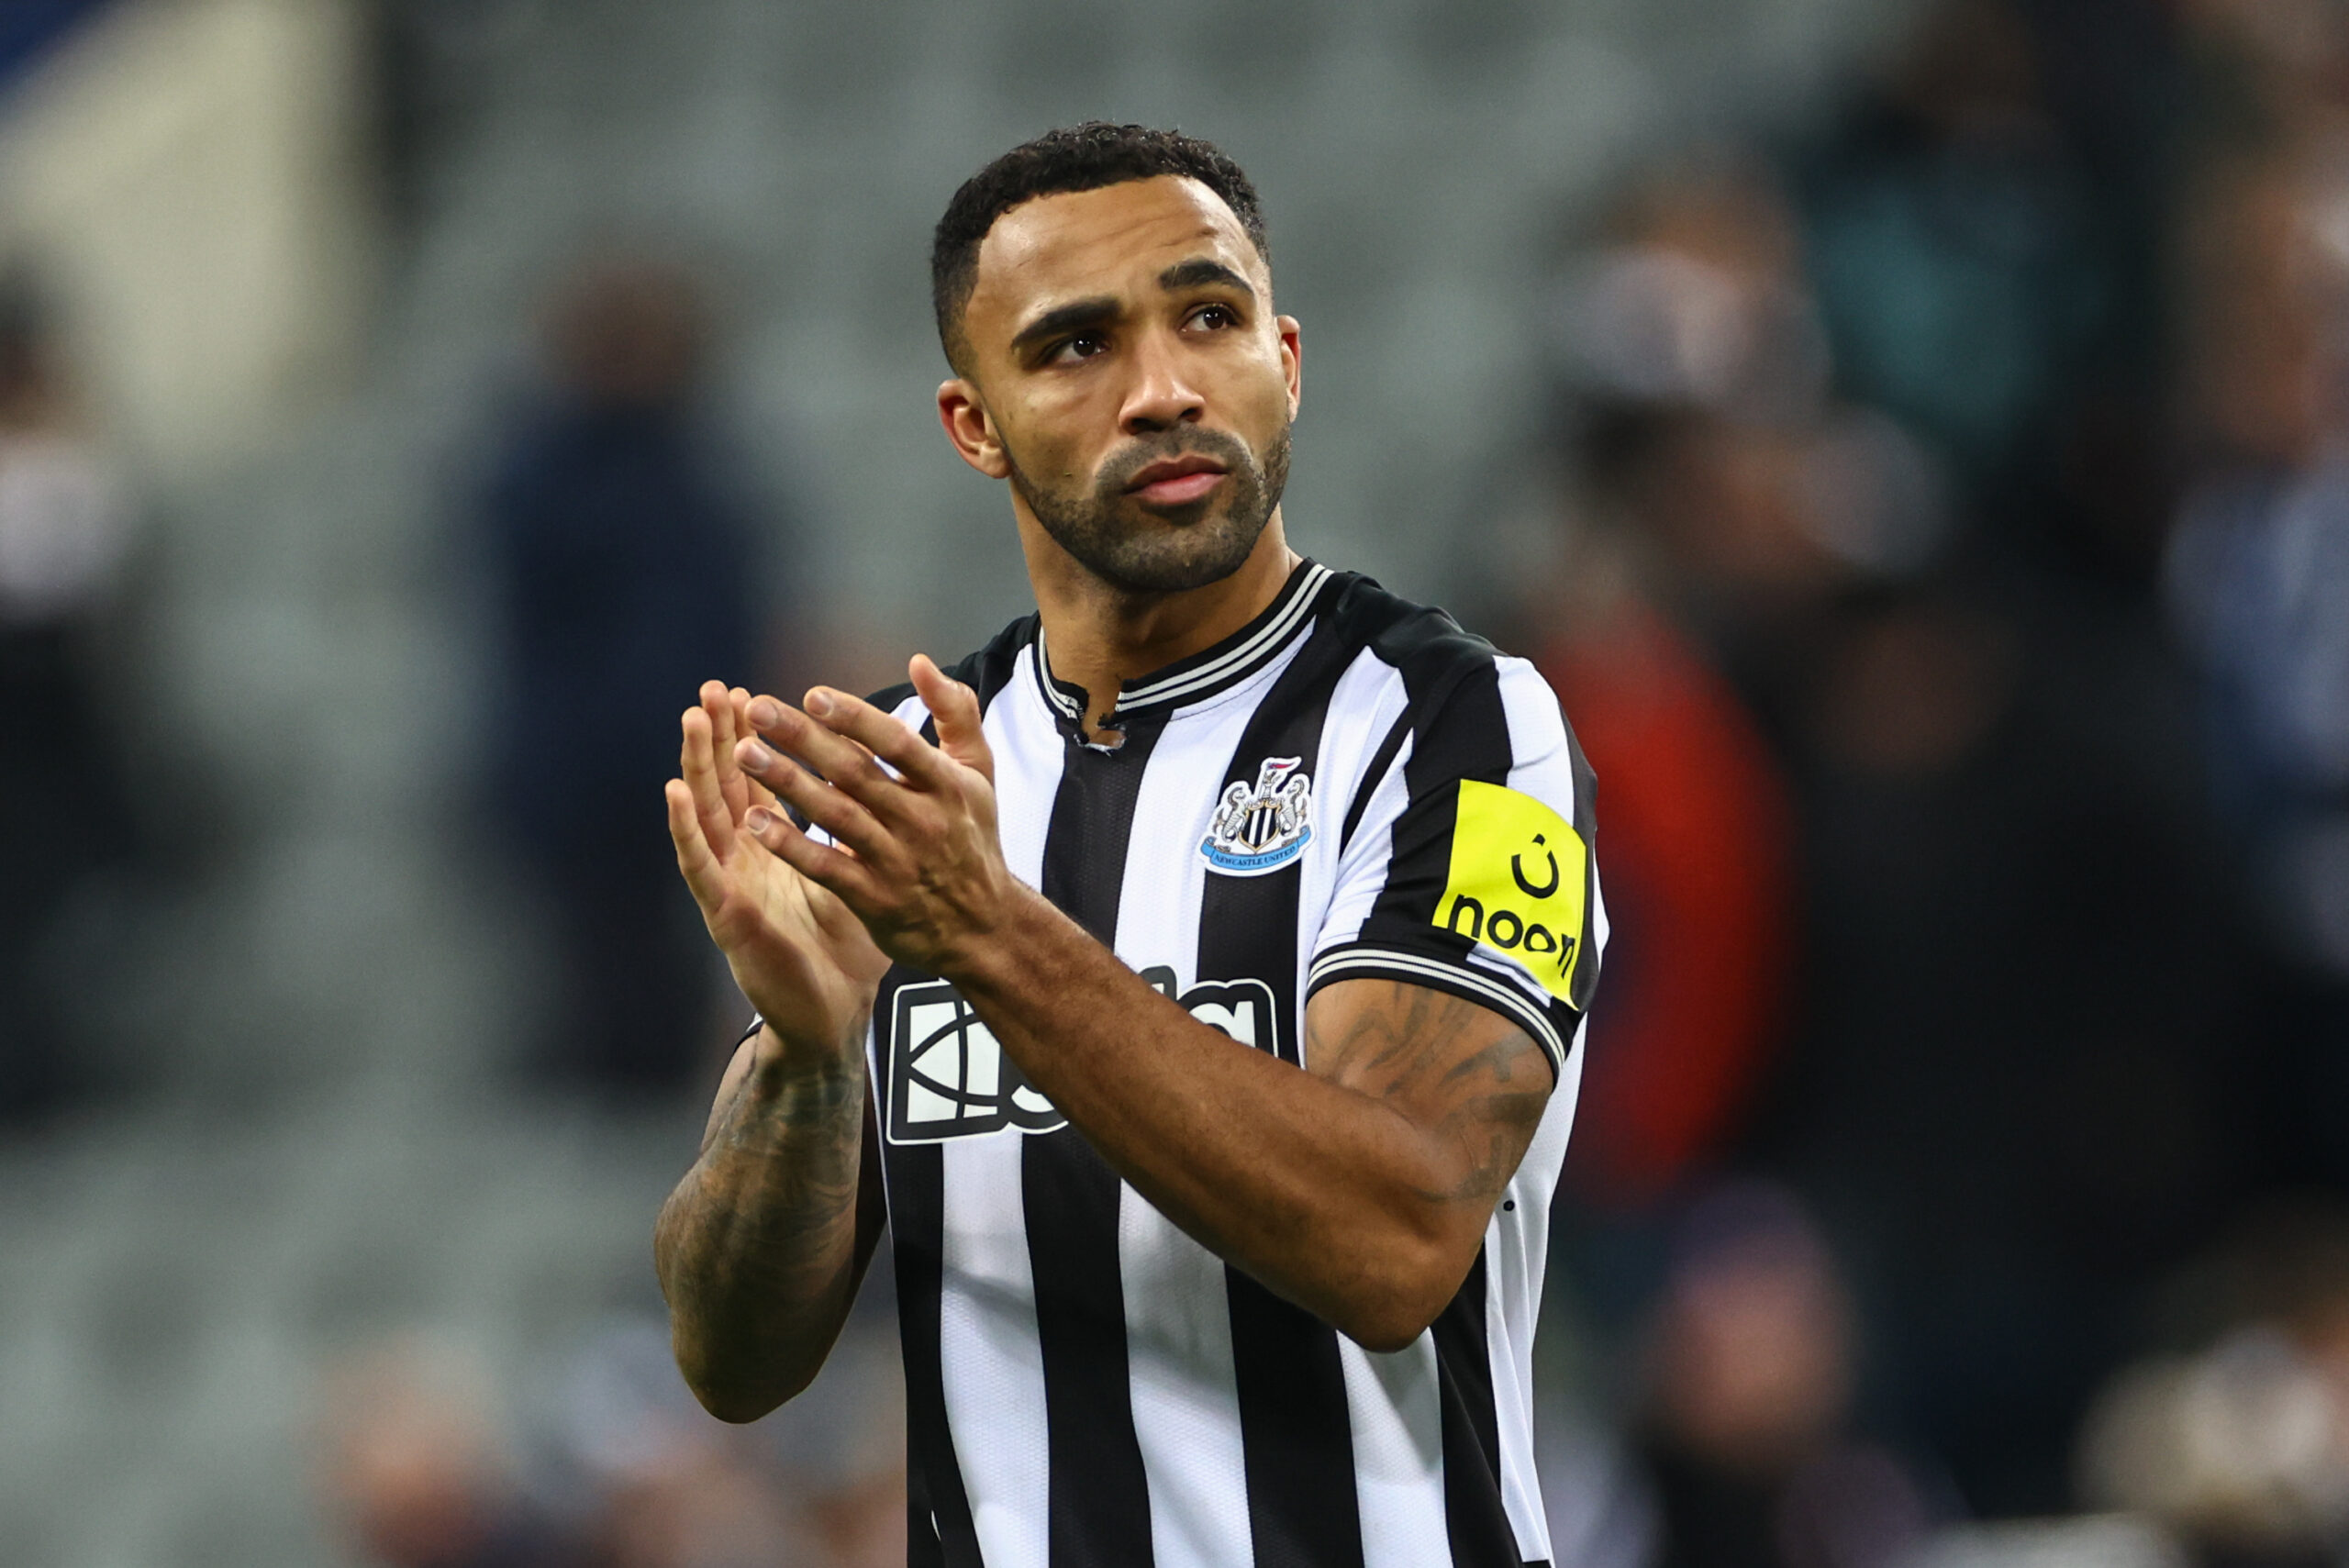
<point x="1398" y="1441"/>
<point x="989" y="1352"/>
<point x="1516" y="1248"/>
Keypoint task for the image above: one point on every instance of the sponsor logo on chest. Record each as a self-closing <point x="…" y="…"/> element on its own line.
<point x="950" y="1078"/>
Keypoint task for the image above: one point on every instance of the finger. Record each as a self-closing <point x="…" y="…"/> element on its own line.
<point x="839" y="759"/>
<point x="732" y="786"/>
<point x="834" y="872"/>
<point x="695" y="862"/>
<point x="955" y="708"/>
<point x="885" y="735"/>
<point x="699" y="766"/>
<point x="836" y="812"/>
<point x="759" y="794"/>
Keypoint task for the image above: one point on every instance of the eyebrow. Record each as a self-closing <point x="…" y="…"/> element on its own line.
<point x="1070" y="317"/>
<point x="1201" y="269"/>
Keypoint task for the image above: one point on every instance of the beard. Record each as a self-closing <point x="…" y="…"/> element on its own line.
<point x="1136" y="549"/>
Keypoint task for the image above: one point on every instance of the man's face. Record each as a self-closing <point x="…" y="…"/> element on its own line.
<point x="1125" y="372"/>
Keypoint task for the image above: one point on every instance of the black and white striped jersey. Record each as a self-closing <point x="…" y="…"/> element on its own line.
<point x="1351" y="785"/>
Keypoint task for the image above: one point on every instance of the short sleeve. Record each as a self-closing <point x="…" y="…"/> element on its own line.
<point x="1469" y="870"/>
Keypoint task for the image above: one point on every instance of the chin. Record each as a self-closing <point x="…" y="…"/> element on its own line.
<point x="1188" y="515"/>
<point x="1174" y="571"/>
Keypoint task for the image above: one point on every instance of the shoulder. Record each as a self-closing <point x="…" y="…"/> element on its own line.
<point x="1430" y="651"/>
<point x="1444" y="668"/>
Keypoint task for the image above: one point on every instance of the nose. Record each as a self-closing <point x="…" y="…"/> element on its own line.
<point x="1161" y="397"/>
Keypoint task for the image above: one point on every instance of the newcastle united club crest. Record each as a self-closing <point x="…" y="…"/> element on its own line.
<point x="1262" y="828"/>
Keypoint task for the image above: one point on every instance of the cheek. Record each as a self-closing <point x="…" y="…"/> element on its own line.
<point x="1042" y="439"/>
<point x="1265" y="395"/>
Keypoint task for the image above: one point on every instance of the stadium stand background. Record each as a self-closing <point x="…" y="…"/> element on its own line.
<point x="300" y="1260"/>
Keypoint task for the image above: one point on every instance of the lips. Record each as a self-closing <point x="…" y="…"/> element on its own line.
<point x="1176" y="481"/>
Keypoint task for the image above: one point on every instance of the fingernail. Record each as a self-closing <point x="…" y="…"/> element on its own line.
<point x="820" y="702"/>
<point x="758" y="819"/>
<point x="766" y="713"/>
<point x="755" y="757"/>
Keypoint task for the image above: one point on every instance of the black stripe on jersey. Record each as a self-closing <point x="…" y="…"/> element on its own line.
<point x="1461" y="732"/>
<point x="1098" y="1489"/>
<point x="1586" y="977"/>
<point x="1297" y="1435"/>
<point x="937" y="1511"/>
<point x="1473" y="1515"/>
<point x="938" y="1529"/>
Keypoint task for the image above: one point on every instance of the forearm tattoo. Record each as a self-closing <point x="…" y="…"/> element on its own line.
<point x="760" y="1222"/>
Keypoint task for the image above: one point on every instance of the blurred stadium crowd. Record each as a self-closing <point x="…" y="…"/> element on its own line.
<point x="1933" y="510"/>
<point x="1954" y="611"/>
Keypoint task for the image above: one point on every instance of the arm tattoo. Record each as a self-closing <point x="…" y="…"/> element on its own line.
<point x="1460" y="1070"/>
<point x="777" y="1176"/>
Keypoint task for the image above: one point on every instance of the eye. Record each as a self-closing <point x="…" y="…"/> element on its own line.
<point x="1084" y="346"/>
<point x="1215" y="317"/>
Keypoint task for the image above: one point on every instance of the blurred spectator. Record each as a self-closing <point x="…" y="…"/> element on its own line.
<point x="2005" y="1095"/>
<point x="2268" y="73"/>
<point x="2014" y="1083"/>
<point x="646" y="1476"/>
<point x="416" y="1471"/>
<point x="1744" y="499"/>
<point x="1965" y="281"/>
<point x="1700" y="893"/>
<point x="1722" y="491"/>
<point x="2258" y="567"/>
<point x="63" y="529"/>
<point x="652" y="1481"/>
<point x="1749" y="1433"/>
<point x="2238" y="1437"/>
<point x="627" y="572"/>
<point x="605" y="1461"/>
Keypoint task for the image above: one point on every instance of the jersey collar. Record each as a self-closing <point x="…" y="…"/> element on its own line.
<point x="1205" y="673"/>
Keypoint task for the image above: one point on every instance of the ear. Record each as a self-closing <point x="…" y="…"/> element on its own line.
<point x="1292" y="358"/>
<point x="970" y="427"/>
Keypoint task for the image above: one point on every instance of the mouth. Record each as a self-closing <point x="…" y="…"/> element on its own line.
<point x="1177" y="481"/>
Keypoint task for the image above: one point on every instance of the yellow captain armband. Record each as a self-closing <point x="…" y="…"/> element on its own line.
<point x="1520" y="882"/>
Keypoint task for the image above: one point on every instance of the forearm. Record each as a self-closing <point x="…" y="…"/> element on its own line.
<point x="1327" y="1195"/>
<point x="758" y="1248"/>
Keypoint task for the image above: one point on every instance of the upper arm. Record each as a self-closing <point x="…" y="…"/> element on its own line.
<point x="1472" y="1082"/>
<point x="1460" y="945"/>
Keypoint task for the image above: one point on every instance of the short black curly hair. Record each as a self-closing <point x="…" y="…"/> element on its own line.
<point x="1074" y="158"/>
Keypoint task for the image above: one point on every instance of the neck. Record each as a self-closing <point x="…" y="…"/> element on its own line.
<point x="1100" y="637"/>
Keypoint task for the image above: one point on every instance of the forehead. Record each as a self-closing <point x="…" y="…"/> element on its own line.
<point x="1084" y="243"/>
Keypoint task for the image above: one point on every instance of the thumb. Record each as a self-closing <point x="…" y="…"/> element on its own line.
<point x="956" y="706"/>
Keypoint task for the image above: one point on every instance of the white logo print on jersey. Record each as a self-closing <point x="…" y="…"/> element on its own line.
<point x="1263" y="828"/>
<point x="948" y="1078"/>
